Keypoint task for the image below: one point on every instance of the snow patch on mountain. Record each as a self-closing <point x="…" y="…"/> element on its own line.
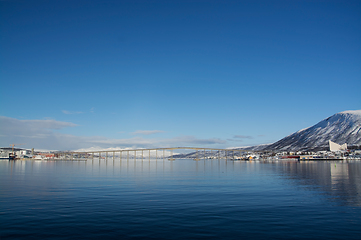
<point x="343" y="127"/>
<point x="354" y="112"/>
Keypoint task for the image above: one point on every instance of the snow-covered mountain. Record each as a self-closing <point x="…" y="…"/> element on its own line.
<point x="343" y="127"/>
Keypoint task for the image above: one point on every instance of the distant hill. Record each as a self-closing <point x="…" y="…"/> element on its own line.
<point x="343" y="127"/>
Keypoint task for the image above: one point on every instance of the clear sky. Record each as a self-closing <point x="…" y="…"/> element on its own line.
<point x="116" y="74"/>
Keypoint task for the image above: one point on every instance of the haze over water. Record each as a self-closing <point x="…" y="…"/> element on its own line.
<point x="181" y="199"/>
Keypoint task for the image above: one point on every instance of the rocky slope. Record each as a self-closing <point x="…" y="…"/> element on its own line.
<point x="343" y="127"/>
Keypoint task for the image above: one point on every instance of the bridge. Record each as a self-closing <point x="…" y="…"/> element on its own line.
<point x="156" y="153"/>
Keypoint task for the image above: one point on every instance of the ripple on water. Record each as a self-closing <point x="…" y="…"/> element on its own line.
<point x="207" y="199"/>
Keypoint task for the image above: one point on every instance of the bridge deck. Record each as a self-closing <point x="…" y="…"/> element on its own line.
<point x="159" y="149"/>
<point x="166" y="153"/>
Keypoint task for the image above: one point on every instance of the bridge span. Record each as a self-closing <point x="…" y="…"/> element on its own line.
<point x="157" y="153"/>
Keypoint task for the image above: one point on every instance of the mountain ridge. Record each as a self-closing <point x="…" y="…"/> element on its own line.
<point x="342" y="127"/>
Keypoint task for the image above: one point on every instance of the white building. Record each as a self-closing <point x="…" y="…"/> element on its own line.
<point x="4" y="152"/>
<point x="337" y="147"/>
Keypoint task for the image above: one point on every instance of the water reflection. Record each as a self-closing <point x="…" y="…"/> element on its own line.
<point x="194" y="199"/>
<point x="340" y="180"/>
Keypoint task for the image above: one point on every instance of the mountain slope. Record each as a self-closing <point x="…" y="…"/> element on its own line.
<point x="343" y="127"/>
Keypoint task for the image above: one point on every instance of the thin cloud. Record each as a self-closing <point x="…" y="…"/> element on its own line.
<point x="12" y="124"/>
<point x="69" y="112"/>
<point x="196" y="141"/>
<point x="43" y="134"/>
<point x="146" y="132"/>
<point x="140" y="142"/>
<point x="242" y="136"/>
<point x="235" y="140"/>
<point x="36" y="133"/>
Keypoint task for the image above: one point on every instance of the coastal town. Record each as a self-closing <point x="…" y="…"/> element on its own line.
<point x="334" y="152"/>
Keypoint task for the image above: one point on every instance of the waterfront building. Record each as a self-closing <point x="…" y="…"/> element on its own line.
<point x="5" y="152"/>
<point x="337" y="147"/>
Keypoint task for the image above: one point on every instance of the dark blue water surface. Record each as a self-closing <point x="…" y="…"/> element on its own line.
<point x="181" y="199"/>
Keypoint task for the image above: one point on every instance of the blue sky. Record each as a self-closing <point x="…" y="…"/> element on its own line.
<point x="116" y="74"/>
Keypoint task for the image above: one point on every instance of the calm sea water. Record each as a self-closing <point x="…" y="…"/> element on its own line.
<point x="181" y="199"/>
